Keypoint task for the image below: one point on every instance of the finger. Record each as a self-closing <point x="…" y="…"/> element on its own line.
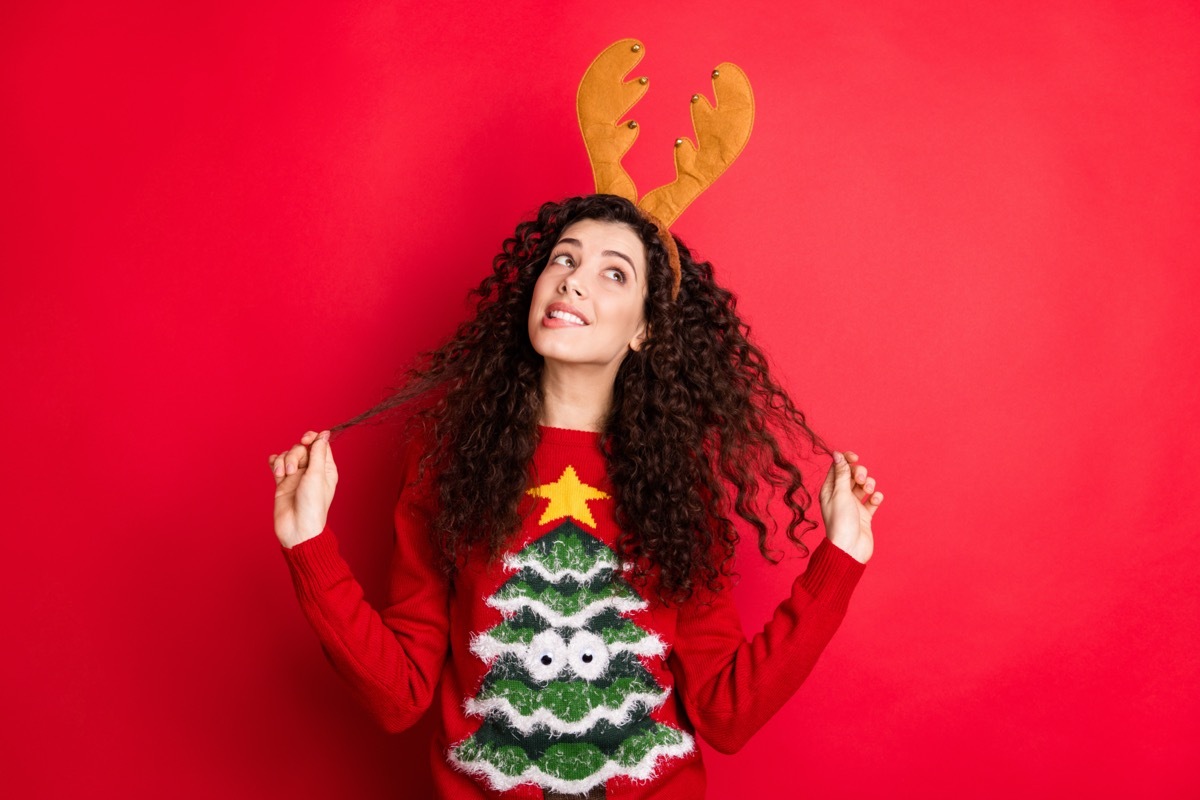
<point x="860" y="474"/>
<point x="851" y="456"/>
<point x="871" y="502"/>
<point x="308" y="438"/>
<point x="864" y="490"/>
<point x="296" y="459"/>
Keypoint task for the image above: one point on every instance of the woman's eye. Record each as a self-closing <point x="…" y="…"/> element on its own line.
<point x="617" y="275"/>
<point x="561" y="258"/>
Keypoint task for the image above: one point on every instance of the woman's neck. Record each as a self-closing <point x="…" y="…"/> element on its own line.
<point x="575" y="397"/>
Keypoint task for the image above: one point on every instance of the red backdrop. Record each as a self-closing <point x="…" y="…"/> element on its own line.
<point x="966" y="234"/>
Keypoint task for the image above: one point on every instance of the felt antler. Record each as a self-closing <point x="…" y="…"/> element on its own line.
<point x="602" y="99"/>
<point x="722" y="133"/>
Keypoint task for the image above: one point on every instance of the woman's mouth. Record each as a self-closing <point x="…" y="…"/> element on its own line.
<point x="561" y="315"/>
<point x="566" y="316"/>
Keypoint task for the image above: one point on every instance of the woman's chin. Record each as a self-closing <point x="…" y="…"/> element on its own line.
<point x="552" y="350"/>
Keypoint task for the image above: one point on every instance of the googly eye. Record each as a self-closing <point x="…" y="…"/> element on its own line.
<point x="589" y="656"/>
<point x="547" y="655"/>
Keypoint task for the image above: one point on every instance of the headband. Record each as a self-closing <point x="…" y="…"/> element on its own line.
<point x="721" y="134"/>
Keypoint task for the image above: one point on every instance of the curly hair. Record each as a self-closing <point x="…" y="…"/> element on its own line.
<point x="697" y="424"/>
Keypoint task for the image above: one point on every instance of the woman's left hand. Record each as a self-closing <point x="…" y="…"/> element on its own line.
<point x="848" y="502"/>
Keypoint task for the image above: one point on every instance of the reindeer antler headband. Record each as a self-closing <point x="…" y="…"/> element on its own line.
<point x="721" y="134"/>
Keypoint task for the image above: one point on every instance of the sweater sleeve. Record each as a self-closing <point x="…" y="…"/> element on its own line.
<point x="392" y="658"/>
<point x="729" y="686"/>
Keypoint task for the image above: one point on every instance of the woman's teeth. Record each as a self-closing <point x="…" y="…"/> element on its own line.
<point x="563" y="315"/>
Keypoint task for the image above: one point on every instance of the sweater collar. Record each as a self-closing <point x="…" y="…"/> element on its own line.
<point x="568" y="436"/>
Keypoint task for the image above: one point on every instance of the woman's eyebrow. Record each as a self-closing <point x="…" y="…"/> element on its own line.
<point x="577" y="243"/>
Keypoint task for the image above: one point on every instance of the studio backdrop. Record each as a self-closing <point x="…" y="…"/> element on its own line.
<point x="965" y="233"/>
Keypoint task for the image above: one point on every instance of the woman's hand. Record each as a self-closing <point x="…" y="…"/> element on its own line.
<point x="305" y="479"/>
<point x="848" y="502"/>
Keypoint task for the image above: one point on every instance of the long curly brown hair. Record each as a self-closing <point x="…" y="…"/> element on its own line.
<point x="697" y="426"/>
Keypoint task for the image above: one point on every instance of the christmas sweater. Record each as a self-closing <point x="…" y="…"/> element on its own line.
<point x="550" y="672"/>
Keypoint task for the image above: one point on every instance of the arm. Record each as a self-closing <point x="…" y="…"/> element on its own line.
<point x="729" y="686"/>
<point x="391" y="659"/>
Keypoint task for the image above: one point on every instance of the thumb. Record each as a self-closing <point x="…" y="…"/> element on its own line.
<point x="318" y="451"/>
<point x="330" y="466"/>
<point x="840" y="472"/>
<point x="827" y="484"/>
<point x="322" y="458"/>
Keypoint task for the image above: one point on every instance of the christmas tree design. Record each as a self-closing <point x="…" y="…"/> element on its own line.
<point x="566" y="700"/>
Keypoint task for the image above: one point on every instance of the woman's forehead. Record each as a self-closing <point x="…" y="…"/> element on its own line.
<point x="605" y="233"/>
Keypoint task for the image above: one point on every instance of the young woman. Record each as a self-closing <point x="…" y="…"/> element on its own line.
<point x="565" y="531"/>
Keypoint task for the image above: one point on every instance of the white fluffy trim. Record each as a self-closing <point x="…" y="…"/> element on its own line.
<point x="544" y="717"/>
<point x="517" y="563"/>
<point x="645" y="770"/>
<point x="623" y="605"/>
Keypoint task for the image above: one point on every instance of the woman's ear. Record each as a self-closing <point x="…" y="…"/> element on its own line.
<point x="643" y="333"/>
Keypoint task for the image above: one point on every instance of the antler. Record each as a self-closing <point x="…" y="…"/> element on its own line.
<point x="602" y="100"/>
<point x="722" y="133"/>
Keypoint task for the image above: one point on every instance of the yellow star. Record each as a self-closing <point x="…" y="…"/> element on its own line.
<point x="568" y="498"/>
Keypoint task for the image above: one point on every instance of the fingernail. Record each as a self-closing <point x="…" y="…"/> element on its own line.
<point x="838" y="457"/>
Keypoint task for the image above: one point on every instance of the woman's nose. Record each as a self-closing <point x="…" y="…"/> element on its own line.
<point x="572" y="285"/>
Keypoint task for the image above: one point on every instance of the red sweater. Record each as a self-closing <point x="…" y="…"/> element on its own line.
<point x="549" y="669"/>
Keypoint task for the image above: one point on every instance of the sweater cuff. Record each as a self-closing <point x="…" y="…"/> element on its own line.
<point x="316" y="563"/>
<point x="831" y="576"/>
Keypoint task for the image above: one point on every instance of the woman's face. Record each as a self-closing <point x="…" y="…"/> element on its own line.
<point x="588" y="303"/>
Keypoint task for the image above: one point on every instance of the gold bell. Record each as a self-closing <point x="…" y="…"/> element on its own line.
<point x="632" y="123"/>
<point x="716" y="73"/>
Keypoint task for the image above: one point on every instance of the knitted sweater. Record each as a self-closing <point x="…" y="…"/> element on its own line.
<point x="549" y="670"/>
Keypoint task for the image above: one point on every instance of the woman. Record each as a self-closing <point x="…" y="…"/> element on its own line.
<point x="564" y="533"/>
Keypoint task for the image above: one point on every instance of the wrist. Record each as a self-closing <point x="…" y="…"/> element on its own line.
<point x="858" y="549"/>
<point x="297" y="536"/>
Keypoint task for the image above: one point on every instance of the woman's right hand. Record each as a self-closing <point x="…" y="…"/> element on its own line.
<point x="305" y="479"/>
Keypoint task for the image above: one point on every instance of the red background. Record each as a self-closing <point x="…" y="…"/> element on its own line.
<point x="966" y="234"/>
